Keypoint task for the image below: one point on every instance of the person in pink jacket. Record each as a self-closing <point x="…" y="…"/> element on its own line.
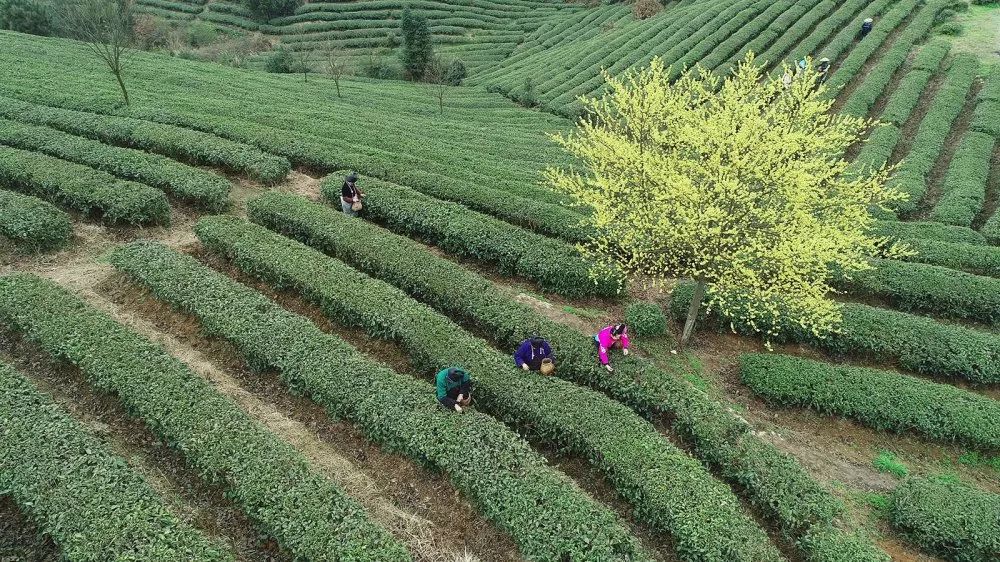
<point x="610" y="336"/>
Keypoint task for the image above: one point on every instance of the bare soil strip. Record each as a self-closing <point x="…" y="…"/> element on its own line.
<point x="909" y="129"/>
<point x="20" y="540"/>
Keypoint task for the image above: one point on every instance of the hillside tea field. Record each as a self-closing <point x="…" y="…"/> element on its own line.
<point x="202" y="357"/>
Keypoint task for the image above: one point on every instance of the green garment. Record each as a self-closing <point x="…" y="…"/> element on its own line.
<point x="444" y="384"/>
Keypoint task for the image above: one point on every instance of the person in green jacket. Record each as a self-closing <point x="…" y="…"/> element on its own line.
<point x="454" y="389"/>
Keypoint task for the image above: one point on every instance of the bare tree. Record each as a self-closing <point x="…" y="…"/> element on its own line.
<point x="436" y="76"/>
<point x="301" y="59"/>
<point x="336" y="65"/>
<point x="106" y="27"/>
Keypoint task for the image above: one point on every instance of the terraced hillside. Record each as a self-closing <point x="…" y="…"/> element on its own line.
<point x="182" y="300"/>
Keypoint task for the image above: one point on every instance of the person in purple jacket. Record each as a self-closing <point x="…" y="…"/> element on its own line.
<point x="532" y="352"/>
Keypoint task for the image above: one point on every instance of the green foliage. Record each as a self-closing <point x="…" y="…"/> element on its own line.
<point x="922" y="230"/>
<point x="879" y="399"/>
<point x="646" y="319"/>
<point x="915" y="342"/>
<point x="913" y="173"/>
<point x="263" y="475"/>
<point x="283" y="61"/>
<point x="89" y="501"/>
<point x="417" y="48"/>
<point x="83" y="189"/>
<point x="964" y="187"/>
<point x="774" y="482"/>
<point x="171" y="141"/>
<point x="949" y="28"/>
<point x="267" y="9"/>
<point x="556" y="266"/>
<point x="455" y="72"/>
<point x="826" y="543"/>
<point x="201" y="33"/>
<point x="949" y="519"/>
<point x="885" y="461"/>
<point x="683" y="499"/>
<point x="880" y="504"/>
<point x="32" y="223"/>
<point x="25" y="16"/>
<point x="543" y="511"/>
<point x="973" y="258"/>
<point x="202" y="188"/>
<point x="929" y="288"/>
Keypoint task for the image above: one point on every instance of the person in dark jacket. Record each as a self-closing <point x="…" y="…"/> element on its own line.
<point x="823" y="72"/>
<point x="866" y="27"/>
<point x="350" y="195"/>
<point x="454" y="389"/>
<point x="532" y="352"/>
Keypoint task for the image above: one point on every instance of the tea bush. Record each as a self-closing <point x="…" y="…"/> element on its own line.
<point x="91" y="503"/>
<point x="83" y="189"/>
<point x="204" y="189"/>
<point x="949" y="519"/>
<point x="645" y="319"/>
<point x="32" y="223"/>
<point x="266" y="477"/>
<point x="882" y="400"/>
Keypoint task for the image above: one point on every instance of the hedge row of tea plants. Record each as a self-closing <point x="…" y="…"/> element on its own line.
<point x="199" y="187"/>
<point x="670" y="491"/>
<point x="949" y="519"/>
<point x="267" y="478"/>
<point x="171" y="141"/>
<point x="906" y="96"/>
<point x="547" y="515"/>
<point x="555" y="265"/>
<point x="882" y="400"/>
<point x="839" y="30"/>
<point x="773" y="55"/>
<point x="929" y="288"/>
<point x="917" y="343"/>
<point x="911" y="177"/>
<point x="774" y="482"/>
<point x="92" y="504"/>
<point x="756" y="34"/>
<point x="890" y="60"/>
<point x="964" y="186"/>
<point x="83" y="189"/>
<point x="973" y="258"/>
<point x="33" y="224"/>
<point x="925" y="230"/>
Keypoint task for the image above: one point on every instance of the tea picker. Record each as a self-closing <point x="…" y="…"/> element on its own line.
<point x="454" y="389"/>
<point x="607" y="339"/>
<point x="535" y="354"/>
<point x="350" y="195"/>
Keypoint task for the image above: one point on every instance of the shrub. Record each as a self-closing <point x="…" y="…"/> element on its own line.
<point x="267" y="9"/>
<point x="950" y="519"/>
<point x="83" y="189"/>
<point x="455" y="72"/>
<point x="32" y="223"/>
<point x="950" y="28"/>
<point x="774" y="482"/>
<point x="378" y="67"/>
<point x="643" y="9"/>
<point x="555" y="265"/>
<point x="25" y="16"/>
<point x="917" y="343"/>
<point x="263" y="475"/>
<point x="201" y="33"/>
<point x="683" y="499"/>
<point x="646" y="319"/>
<point x="79" y="492"/>
<point x="193" y="185"/>
<point x="280" y="61"/>
<point x="882" y="400"/>
<point x="417" y="49"/>
<point x="544" y="512"/>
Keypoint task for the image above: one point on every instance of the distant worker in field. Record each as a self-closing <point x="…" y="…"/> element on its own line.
<point x="823" y="69"/>
<point x="866" y="27"/>
<point x="454" y="389"/>
<point x="350" y="195"/>
<point x="608" y="338"/>
<point x="786" y="79"/>
<point x="535" y="354"/>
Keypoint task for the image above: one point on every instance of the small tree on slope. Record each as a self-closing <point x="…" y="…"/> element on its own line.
<point x="417" y="49"/>
<point x="106" y="26"/>
<point x="739" y="187"/>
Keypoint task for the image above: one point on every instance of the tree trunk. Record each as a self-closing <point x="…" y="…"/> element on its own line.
<point x="337" y="82"/>
<point x="693" y="309"/>
<point x="121" y="84"/>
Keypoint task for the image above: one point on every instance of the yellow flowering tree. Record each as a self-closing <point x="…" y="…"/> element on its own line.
<point x="738" y="184"/>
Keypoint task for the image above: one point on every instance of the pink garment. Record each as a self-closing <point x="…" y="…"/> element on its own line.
<point x="606" y="342"/>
